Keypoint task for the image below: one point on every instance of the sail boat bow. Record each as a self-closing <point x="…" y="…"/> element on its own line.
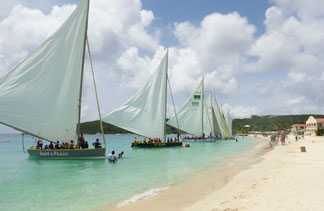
<point x="41" y="96"/>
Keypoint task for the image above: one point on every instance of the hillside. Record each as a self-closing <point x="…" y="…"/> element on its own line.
<point x="271" y="122"/>
<point x="257" y="123"/>
<point x="93" y="127"/>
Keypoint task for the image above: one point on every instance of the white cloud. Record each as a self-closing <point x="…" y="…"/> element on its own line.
<point x="240" y="111"/>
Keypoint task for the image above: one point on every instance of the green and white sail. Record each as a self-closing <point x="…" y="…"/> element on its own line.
<point x="222" y="125"/>
<point x="41" y="96"/>
<point x="145" y="112"/>
<point x="190" y="116"/>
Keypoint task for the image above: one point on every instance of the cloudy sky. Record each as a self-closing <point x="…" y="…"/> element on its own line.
<point x="258" y="57"/>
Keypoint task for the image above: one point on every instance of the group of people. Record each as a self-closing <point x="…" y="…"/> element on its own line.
<point x="155" y="140"/>
<point x="275" y="138"/>
<point x="82" y="144"/>
<point x="112" y="158"/>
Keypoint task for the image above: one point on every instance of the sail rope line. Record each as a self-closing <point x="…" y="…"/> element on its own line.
<point x="210" y="124"/>
<point x="175" y="112"/>
<point x="23" y="142"/>
<point x="95" y="88"/>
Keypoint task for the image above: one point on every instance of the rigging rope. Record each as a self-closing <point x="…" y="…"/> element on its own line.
<point x="95" y="87"/>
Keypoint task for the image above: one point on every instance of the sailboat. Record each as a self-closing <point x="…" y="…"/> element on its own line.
<point x="196" y="118"/>
<point x="145" y="113"/>
<point x="41" y="96"/>
<point x="224" y="127"/>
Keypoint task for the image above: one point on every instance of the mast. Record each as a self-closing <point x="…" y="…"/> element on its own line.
<point x="82" y="71"/>
<point x="202" y="110"/>
<point x="95" y="88"/>
<point x="166" y="94"/>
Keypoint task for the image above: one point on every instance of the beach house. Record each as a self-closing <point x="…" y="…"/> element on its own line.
<point x="313" y="124"/>
<point x="298" y="129"/>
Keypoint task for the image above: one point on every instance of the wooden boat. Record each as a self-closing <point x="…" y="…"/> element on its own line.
<point x="41" y="96"/>
<point x="145" y="113"/>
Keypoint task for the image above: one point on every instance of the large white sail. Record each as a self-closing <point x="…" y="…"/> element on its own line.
<point x="145" y="112"/>
<point x="228" y="120"/>
<point x="225" y="133"/>
<point x="41" y="95"/>
<point x="190" y="116"/>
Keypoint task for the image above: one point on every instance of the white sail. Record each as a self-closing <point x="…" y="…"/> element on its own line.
<point x="41" y="95"/>
<point x="145" y="112"/>
<point x="190" y="116"/>
<point x="208" y="119"/>
<point x="211" y="117"/>
<point x="224" y="131"/>
<point x="228" y="120"/>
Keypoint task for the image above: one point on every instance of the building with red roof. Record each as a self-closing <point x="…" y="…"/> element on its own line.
<point x="313" y="124"/>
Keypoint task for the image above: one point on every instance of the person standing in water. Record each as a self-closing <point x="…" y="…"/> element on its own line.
<point x="112" y="157"/>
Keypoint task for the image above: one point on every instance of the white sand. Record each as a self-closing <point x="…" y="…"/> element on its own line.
<point x="285" y="179"/>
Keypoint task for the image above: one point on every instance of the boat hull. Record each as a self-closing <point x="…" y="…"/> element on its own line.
<point x="158" y="144"/>
<point x="193" y="139"/>
<point x="65" y="153"/>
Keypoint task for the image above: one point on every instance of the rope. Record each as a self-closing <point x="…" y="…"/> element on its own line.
<point x="175" y="113"/>
<point x="95" y="87"/>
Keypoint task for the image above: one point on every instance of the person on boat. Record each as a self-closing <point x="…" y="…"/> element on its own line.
<point x="86" y="145"/>
<point x="175" y="139"/>
<point x="46" y="147"/>
<point x="39" y="144"/>
<point x="51" y="146"/>
<point x="144" y="141"/>
<point x="171" y="140"/>
<point x="120" y="155"/>
<point x="71" y="145"/>
<point x="57" y="145"/>
<point x="112" y="157"/>
<point x="134" y="140"/>
<point x="178" y="134"/>
<point x="97" y="144"/>
<point x="168" y="140"/>
<point x="81" y="141"/>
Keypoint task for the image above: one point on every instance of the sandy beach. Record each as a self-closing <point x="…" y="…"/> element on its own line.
<point x="283" y="178"/>
<point x="205" y="182"/>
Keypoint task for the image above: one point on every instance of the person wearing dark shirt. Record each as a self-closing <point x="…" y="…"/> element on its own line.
<point x="51" y="146"/>
<point x="97" y="144"/>
<point x="86" y="145"/>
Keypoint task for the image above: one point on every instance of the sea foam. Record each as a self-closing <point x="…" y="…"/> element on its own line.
<point x="141" y="196"/>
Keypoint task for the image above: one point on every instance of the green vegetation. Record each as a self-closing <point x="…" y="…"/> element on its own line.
<point x="320" y="132"/>
<point x="271" y="122"/>
<point x="257" y="123"/>
<point x="93" y="127"/>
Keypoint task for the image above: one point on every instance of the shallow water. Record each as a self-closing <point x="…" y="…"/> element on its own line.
<point x="47" y="184"/>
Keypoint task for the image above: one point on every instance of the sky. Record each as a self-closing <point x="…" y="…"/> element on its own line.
<point x="258" y="57"/>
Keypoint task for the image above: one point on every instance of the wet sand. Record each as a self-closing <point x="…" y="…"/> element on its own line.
<point x="201" y="185"/>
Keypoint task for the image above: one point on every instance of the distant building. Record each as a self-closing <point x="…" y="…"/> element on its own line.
<point x="313" y="124"/>
<point x="298" y="128"/>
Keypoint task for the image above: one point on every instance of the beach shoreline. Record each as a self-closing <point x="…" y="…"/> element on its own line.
<point x="285" y="179"/>
<point x="193" y="189"/>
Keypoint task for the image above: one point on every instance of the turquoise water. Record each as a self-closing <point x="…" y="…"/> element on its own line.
<point x="47" y="184"/>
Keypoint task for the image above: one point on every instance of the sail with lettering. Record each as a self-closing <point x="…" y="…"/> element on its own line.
<point x="145" y="112"/>
<point x="190" y="115"/>
<point x="41" y="96"/>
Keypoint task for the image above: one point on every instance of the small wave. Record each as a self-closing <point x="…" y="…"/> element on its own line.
<point x="141" y="196"/>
